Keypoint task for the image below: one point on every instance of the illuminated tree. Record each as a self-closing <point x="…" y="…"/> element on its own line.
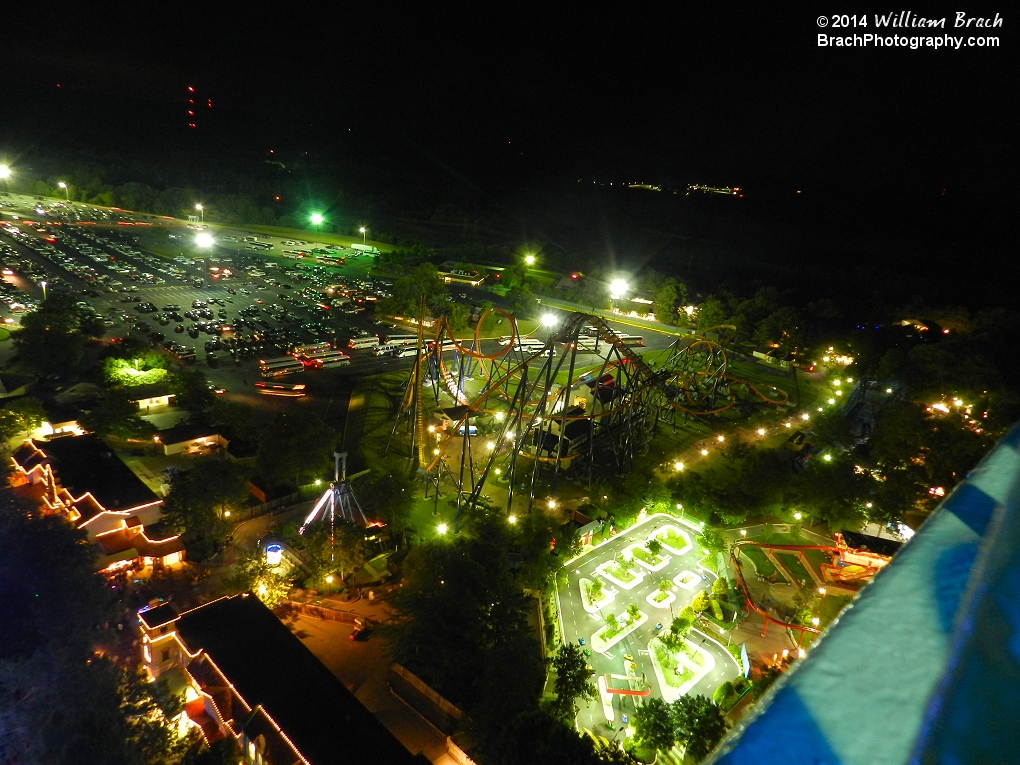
<point x="699" y="724"/>
<point x="252" y="573"/>
<point x="20" y="415"/>
<point x="654" y="726"/>
<point x="116" y="415"/>
<point x="573" y="681"/>
<point x="700" y="602"/>
<point x="52" y="338"/>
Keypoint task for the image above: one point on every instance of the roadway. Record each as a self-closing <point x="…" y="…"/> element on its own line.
<point x="576" y="623"/>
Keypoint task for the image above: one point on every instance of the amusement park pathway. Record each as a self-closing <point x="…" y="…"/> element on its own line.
<point x="363" y="667"/>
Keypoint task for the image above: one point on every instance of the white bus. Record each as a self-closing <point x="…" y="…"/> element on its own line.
<point x="281" y="370"/>
<point x="277" y="361"/>
<point x="292" y="390"/>
<point x="369" y="341"/>
<point x="448" y="345"/>
<point x="630" y="339"/>
<point x="304" y="350"/>
<point x="312" y="359"/>
<point x="397" y="351"/>
<point x="587" y="344"/>
<point x="330" y="362"/>
<point x="401" y="339"/>
<point x="527" y="342"/>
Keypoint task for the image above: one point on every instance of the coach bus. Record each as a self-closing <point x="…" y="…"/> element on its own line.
<point x="292" y="390"/>
<point x="630" y="339"/>
<point x="369" y="341"/>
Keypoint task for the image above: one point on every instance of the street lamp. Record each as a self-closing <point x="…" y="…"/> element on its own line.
<point x="5" y="172"/>
<point x="204" y="240"/>
<point x="529" y="260"/>
<point x="364" y="239"/>
<point x="317" y="219"/>
<point x="442" y="528"/>
<point x="201" y="212"/>
<point x="67" y="194"/>
<point x="617" y="289"/>
<point x="549" y="321"/>
<point x="43" y="285"/>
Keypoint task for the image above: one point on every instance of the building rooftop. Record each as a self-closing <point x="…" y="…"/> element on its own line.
<point x="187" y="431"/>
<point x="272" y="669"/>
<point x="85" y="464"/>
<point x="158" y="615"/>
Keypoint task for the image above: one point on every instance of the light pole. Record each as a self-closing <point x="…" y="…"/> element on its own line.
<point x="549" y="321"/>
<point x="43" y="285"/>
<point x="617" y="289"/>
<point x="201" y="212"/>
<point x="364" y="236"/>
<point x="67" y="193"/>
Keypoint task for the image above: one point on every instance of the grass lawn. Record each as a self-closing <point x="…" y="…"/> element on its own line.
<point x="693" y="655"/>
<point x="762" y="563"/>
<point x="619" y="573"/>
<point x="830" y="607"/>
<point x="4" y="334"/>
<point x="816" y="558"/>
<point x="670" y="667"/>
<point x="785" y="539"/>
<point x="642" y="554"/>
<point x="661" y="596"/>
<point x="795" y="568"/>
<point x="673" y="539"/>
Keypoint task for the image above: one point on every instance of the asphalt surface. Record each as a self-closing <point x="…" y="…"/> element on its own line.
<point x="578" y="623"/>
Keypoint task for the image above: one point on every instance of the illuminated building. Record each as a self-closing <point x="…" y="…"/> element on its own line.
<point x="247" y="677"/>
<point x="83" y="479"/>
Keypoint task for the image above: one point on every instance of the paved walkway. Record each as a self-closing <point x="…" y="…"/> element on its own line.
<point x="363" y="667"/>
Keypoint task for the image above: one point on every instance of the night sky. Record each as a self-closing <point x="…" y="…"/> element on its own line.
<point x="504" y="97"/>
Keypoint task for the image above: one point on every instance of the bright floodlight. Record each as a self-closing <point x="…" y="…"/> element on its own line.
<point x="361" y="230"/>
<point x="5" y="172"/>
<point x="549" y="320"/>
<point x="61" y="184"/>
<point x="317" y="219"/>
<point x="204" y="240"/>
<point x="529" y="260"/>
<point x="198" y="207"/>
<point x="442" y="528"/>
<point x="617" y="288"/>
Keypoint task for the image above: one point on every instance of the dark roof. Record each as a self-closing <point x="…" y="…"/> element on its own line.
<point x="880" y="545"/>
<point x="187" y="431"/>
<point x="87" y="464"/>
<point x="271" y="667"/>
<point x="158" y="616"/>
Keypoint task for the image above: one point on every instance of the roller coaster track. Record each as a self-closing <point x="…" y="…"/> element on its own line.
<point x="742" y="584"/>
<point x="629" y="396"/>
